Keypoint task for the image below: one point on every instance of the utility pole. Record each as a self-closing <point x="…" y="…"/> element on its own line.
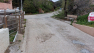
<point x="21" y="6"/>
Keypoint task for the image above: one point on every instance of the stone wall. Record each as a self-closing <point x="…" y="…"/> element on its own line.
<point x="4" y="39"/>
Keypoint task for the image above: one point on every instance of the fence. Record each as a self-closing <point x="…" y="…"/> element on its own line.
<point x="13" y="22"/>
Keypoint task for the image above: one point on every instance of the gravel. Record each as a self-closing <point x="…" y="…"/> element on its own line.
<point x="44" y="34"/>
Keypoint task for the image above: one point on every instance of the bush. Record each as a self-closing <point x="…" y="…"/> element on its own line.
<point x="29" y="7"/>
<point x="57" y="8"/>
<point x="83" y="20"/>
<point x="60" y="15"/>
<point x="46" y="7"/>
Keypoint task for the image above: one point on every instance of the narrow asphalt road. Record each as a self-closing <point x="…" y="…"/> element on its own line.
<point x="44" y="34"/>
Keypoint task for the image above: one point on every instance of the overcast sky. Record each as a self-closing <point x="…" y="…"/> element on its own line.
<point x="54" y="0"/>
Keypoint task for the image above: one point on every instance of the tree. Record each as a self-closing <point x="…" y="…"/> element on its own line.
<point x="82" y="6"/>
<point x="1" y="0"/>
<point x="58" y="3"/>
<point x="32" y="6"/>
<point x="29" y="7"/>
<point x="65" y="8"/>
<point x="17" y="3"/>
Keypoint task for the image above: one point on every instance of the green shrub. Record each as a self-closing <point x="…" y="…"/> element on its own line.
<point x="83" y="20"/>
<point x="12" y="36"/>
<point x="29" y="7"/>
<point x="71" y="22"/>
<point x="57" y="8"/>
<point x="33" y="7"/>
<point x="91" y="5"/>
<point x="46" y="7"/>
<point x="60" y="15"/>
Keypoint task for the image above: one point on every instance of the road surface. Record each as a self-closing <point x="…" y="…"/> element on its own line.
<point x="44" y="34"/>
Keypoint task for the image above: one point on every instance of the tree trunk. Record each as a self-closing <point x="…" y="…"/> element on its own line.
<point x="65" y="10"/>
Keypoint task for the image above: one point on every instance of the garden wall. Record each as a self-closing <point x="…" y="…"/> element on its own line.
<point x="86" y="29"/>
<point x="4" y="39"/>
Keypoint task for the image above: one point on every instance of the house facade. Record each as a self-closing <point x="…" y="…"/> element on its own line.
<point x="7" y="5"/>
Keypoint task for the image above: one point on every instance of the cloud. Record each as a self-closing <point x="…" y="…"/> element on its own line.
<point x="54" y="0"/>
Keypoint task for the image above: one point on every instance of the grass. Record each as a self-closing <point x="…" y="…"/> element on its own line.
<point x="25" y="25"/>
<point x="12" y="36"/>
<point x="91" y="24"/>
<point x="23" y="36"/>
<point x="25" y="20"/>
<point x="57" y="8"/>
<point x="71" y="22"/>
<point x="91" y="5"/>
<point x="83" y="20"/>
<point x="60" y="15"/>
<point x="19" y="40"/>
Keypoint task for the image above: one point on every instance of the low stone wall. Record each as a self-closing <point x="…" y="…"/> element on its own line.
<point x="4" y="39"/>
<point x="86" y="29"/>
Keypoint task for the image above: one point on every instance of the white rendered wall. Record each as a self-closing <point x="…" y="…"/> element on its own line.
<point x="4" y="39"/>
